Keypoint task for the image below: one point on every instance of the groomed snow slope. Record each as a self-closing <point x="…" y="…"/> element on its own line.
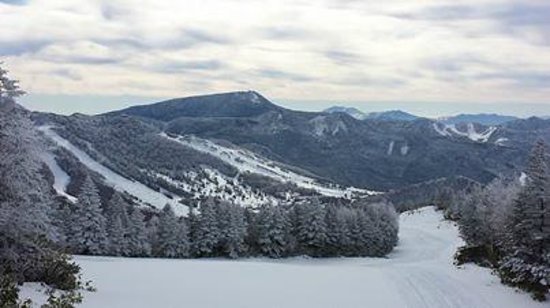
<point x="419" y="273"/>
<point x="247" y="161"/>
<point x="118" y="182"/>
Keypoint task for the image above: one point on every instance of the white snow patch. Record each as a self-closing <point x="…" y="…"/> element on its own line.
<point x="523" y="178"/>
<point x="390" y="147"/>
<point x="218" y="185"/>
<point x="471" y="133"/>
<point x="442" y="130"/>
<point x="247" y="161"/>
<point x="405" y="150"/>
<point x="118" y="182"/>
<point x="61" y="178"/>
<point x="501" y="141"/>
<point x="419" y="273"/>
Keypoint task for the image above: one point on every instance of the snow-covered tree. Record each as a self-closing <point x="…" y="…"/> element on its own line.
<point x="311" y="228"/>
<point x="272" y="227"/>
<point x="137" y="238"/>
<point x="172" y="236"/>
<point x="207" y="231"/>
<point x="527" y="263"/>
<point x="232" y="227"/>
<point x="88" y="233"/>
<point x="117" y="225"/>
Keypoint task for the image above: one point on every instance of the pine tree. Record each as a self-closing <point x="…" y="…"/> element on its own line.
<point x="167" y="236"/>
<point x="232" y="225"/>
<point x="311" y="229"/>
<point x="88" y="226"/>
<point x="117" y="225"/>
<point x="272" y="232"/>
<point x="207" y="231"/>
<point x="526" y="264"/>
<point x="137" y="239"/>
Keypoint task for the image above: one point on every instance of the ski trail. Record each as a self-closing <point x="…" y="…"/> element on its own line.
<point x="418" y="274"/>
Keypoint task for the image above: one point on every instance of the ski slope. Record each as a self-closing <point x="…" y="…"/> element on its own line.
<point x="447" y="130"/>
<point x="113" y="179"/>
<point x="419" y="273"/>
<point x="247" y="161"/>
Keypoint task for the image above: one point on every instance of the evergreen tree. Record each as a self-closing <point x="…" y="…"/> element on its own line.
<point x="272" y="232"/>
<point x="117" y="225"/>
<point x="207" y="232"/>
<point x="232" y="226"/>
<point x="311" y="229"/>
<point x="137" y="239"/>
<point x="88" y="226"/>
<point x="172" y="239"/>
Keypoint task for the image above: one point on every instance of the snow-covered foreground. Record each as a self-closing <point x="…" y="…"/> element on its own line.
<point x="419" y="273"/>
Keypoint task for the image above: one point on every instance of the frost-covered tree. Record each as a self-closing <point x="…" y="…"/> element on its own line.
<point x="88" y="233"/>
<point x="207" y="231"/>
<point x="25" y="196"/>
<point x="137" y="238"/>
<point x="273" y="231"/>
<point x="232" y="228"/>
<point x="528" y="261"/>
<point x="9" y="88"/>
<point x="311" y="230"/>
<point x="172" y="236"/>
<point x="117" y="225"/>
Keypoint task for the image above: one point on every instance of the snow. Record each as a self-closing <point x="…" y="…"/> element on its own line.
<point x="390" y="147"/>
<point x="501" y="141"/>
<point x="405" y="150"/>
<point x="217" y="185"/>
<point x="113" y="179"/>
<point x="471" y="133"/>
<point x="61" y="178"/>
<point x="247" y="161"/>
<point x="419" y="273"/>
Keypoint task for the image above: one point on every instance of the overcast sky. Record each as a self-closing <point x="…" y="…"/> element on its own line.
<point x="428" y="57"/>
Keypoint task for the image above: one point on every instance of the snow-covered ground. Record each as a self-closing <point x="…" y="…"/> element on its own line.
<point x="419" y="273"/>
<point x="118" y="182"/>
<point x="61" y="178"/>
<point x="448" y="130"/>
<point x="247" y="161"/>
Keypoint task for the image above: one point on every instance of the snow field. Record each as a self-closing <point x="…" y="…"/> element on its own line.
<point x="419" y="273"/>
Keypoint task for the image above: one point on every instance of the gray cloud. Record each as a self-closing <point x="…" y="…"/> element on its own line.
<point x="20" y="47"/>
<point x="342" y="57"/>
<point x="183" y="66"/>
<point x="520" y="79"/>
<point x="279" y="74"/>
<point x="15" y="2"/>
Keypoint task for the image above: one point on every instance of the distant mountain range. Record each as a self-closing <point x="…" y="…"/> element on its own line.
<point x="398" y="115"/>
<point x="240" y="146"/>
<point x="392" y="115"/>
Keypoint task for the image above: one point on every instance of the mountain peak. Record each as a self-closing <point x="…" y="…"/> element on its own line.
<point x="230" y="104"/>
<point x="354" y="112"/>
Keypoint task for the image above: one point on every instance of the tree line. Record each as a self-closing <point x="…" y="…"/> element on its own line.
<point x="506" y="225"/>
<point x="219" y="228"/>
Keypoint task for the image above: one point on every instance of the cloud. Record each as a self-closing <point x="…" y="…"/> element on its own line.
<point x="279" y="74"/>
<point x="185" y="66"/>
<point x="521" y="79"/>
<point x="344" y="50"/>
<point x="14" y="2"/>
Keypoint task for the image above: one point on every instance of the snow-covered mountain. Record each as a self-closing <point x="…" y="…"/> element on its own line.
<point x="239" y="146"/>
<point x="482" y="118"/>
<point x="354" y="112"/>
<point x="392" y="115"/>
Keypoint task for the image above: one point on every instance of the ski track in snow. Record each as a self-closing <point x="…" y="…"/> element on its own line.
<point x="247" y="161"/>
<point x="118" y="182"/>
<point x="471" y="133"/>
<point x="61" y="178"/>
<point x="419" y="273"/>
